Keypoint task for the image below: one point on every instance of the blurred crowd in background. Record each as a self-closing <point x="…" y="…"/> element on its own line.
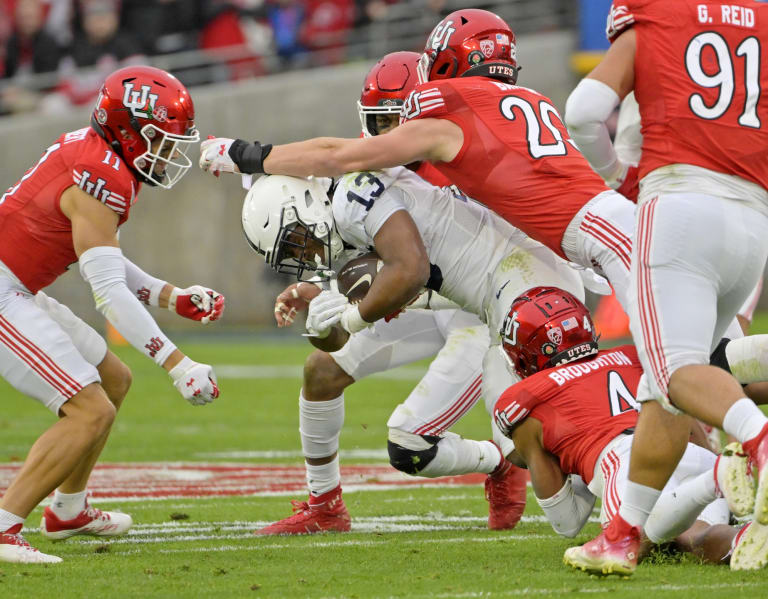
<point x="55" y="53"/>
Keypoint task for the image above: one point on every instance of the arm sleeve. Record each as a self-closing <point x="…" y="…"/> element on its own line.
<point x="586" y="111"/>
<point x="144" y="286"/>
<point x="567" y="510"/>
<point x="104" y="269"/>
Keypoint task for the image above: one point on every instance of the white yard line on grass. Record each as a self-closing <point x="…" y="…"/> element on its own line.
<point x="345" y="454"/>
<point x="183" y="532"/>
<point x="350" y="488"/>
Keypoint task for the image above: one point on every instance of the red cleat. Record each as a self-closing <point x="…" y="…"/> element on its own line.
<point x="90" y="521"/>
<point x="325" y="513"/>
<point x="757" y="450"/>
<point x="613" y="551"/>
<point x="505" y="490"/>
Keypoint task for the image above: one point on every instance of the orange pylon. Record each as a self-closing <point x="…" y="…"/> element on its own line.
<point x="113" y="336"/>
<point x="610" y="320"/>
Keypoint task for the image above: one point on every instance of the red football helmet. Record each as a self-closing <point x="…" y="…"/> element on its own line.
<point x="386" y="87"/>
<point x="148" y="118"/>
<point x="546" y="327"/>
<point x="470" y="42"/>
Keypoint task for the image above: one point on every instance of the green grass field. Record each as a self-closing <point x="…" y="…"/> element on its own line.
<point x="406" y="541"/>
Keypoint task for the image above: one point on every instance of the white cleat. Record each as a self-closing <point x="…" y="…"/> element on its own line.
<point x="15" y="549"/>
<point x="734" y="480"/>
<point x="751" y="550"/>
<point x="90" y="521"/>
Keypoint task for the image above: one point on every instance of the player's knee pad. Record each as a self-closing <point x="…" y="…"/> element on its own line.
<point x="410" y="453"/>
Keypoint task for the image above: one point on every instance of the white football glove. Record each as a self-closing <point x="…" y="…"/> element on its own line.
<point x="214" y="156"/>
<point x="352" y="322"/>
<point x="325" y="311"/>
<point x="197" y="303"/>
<point x="196" y="382"/>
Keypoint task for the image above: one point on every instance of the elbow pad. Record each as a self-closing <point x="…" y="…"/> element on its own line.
<point x="586" y="111"/>
<point x="566" y="511"/>
<point x="104" y="269"/>
<point x="144" y="286"/>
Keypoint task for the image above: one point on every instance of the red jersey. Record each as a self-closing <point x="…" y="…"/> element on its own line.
<point x="581" y="406"/>
<point x="701" y="72"/>
<point x="430" y="174"/>
<point x="517" y="157"/>
<point x="35" y="236"/>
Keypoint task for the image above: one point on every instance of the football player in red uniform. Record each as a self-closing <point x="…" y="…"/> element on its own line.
<point x="697" y="72"/>
<point x="574" y="414"/>
<point x="67" y="209"/>
<point x="500" y="143"/>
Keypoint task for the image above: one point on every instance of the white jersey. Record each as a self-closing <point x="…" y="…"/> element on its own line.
<point x="464" y="239"/>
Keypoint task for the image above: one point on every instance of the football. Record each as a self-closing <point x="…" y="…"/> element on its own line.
<point x="356" y="276"/>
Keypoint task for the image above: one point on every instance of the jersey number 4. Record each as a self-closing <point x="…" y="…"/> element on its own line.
<point x="537" y="118"/>
<point x="619" y="395"/>
<point x="725" y="78"/>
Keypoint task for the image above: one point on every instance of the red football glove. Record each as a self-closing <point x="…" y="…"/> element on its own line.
<point x="197" y="303"/>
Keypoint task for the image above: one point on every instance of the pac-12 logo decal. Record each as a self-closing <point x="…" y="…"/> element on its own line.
<point x="141" y="103"/>
<point x="441" y="35"/>
<point x="487" y="46"/>
<point x="555" y="335"/>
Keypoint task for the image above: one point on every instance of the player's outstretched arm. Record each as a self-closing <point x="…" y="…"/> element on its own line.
<point x="102" y="265"/>
<point x="196" y="302"/>
<point x="424" y="139"/>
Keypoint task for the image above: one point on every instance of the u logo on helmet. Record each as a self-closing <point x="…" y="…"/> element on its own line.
<point x="141" y="103"/>
<point x="441" y="35"/>
<point x="510" y="328"/>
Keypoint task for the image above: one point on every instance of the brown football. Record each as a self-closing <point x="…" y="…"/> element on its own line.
<point x="356" y="276"/>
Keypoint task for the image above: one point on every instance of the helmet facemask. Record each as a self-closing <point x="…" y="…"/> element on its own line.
<point x="165" y="160"/>
<point x="369" y="116"/>
<point x="300" y="246"/>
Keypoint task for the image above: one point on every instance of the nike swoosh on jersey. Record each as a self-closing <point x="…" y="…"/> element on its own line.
<point x="498" y="293"/>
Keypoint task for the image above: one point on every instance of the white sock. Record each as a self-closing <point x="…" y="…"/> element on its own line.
<point x="323" y="478"/>
<point x="320" y="425"/>
<point x="676" y="511"/>
<point x="637" y="503"/>
<point x="7" y="519"/>
<point x="744" y="420"/>
<point x="67" y="506"/>
<point x="462" y="456"/>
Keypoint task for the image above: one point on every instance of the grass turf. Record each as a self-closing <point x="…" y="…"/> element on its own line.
<point x="406" y="542"/>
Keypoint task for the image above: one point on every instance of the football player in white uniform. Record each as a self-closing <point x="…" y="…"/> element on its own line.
<point x="426" y="236"/>
<point x="449" y="389"/>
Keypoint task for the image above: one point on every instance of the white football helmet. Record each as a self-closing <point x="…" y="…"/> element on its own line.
<point x="289" y="221"/>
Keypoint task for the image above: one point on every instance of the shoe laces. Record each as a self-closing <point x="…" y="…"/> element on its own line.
<point x="15" y="538"/>
<point x="95" y="513"/>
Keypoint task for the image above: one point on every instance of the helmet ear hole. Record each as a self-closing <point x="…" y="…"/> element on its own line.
<point x="443" y="69"/>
